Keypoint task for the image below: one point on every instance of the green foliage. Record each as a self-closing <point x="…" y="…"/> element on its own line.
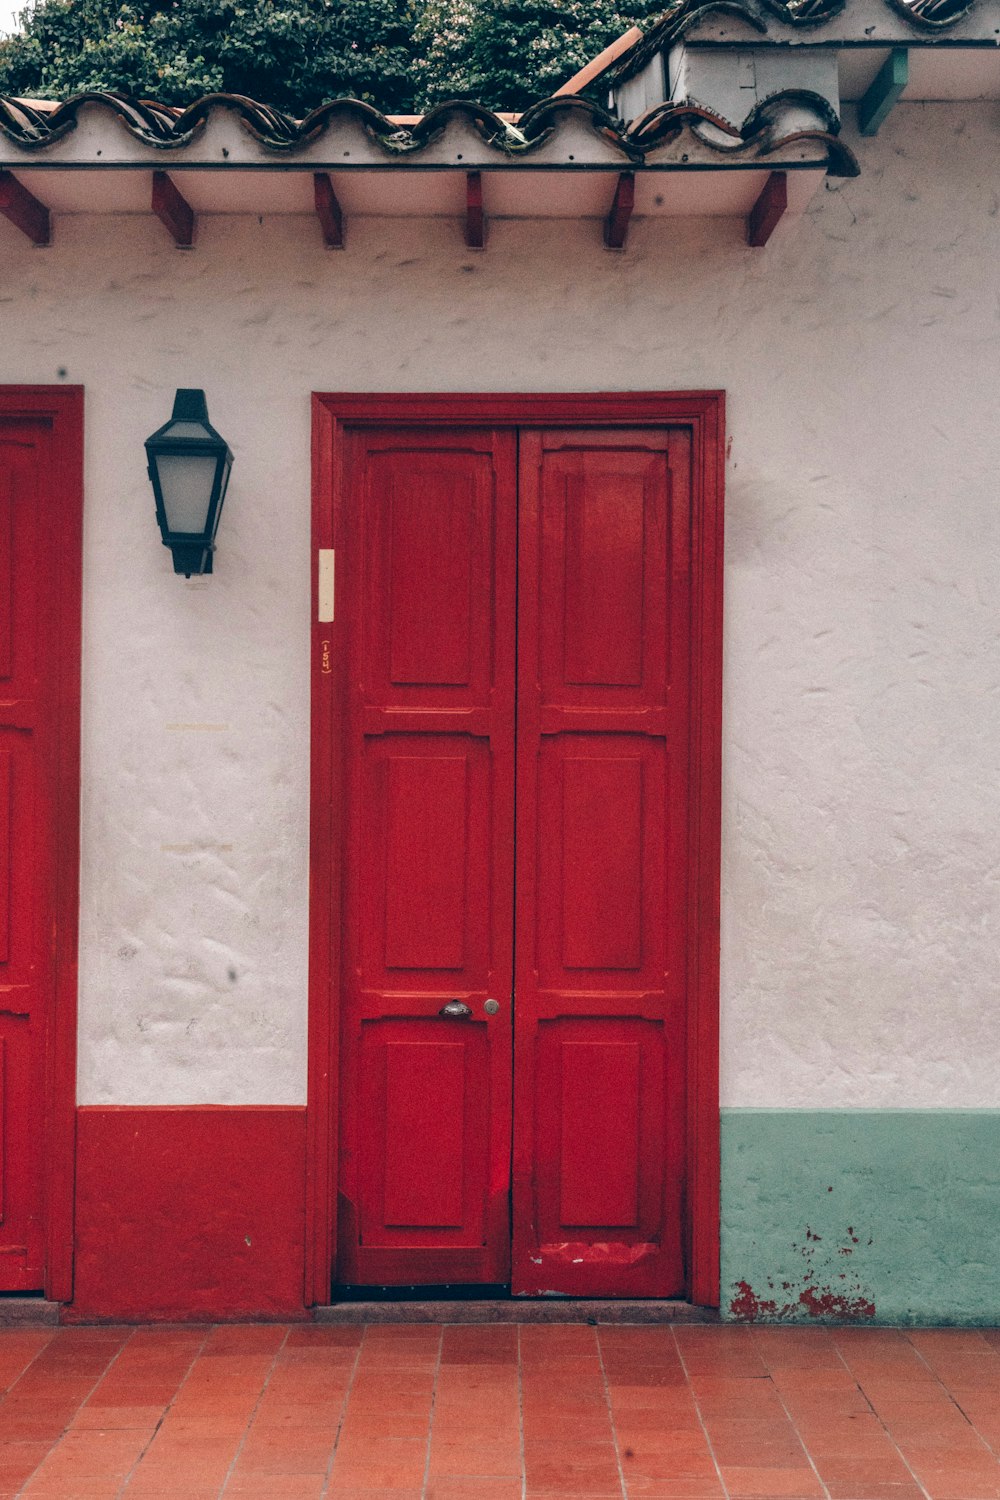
<point x="508" y="53"/>
<point x="292" y="55"/>
<point x="399" y="55"/>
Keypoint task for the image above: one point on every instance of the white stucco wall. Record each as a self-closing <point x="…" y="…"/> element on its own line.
<point x="861" y="356"/>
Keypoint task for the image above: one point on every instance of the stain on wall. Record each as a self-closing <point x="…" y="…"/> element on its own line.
<point x="903" y="1216"/>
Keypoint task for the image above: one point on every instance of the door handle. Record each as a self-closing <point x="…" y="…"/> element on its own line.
<point x="455" y="1008"/>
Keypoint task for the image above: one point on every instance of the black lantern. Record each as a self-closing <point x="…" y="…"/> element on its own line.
<point x="189" y="467"/>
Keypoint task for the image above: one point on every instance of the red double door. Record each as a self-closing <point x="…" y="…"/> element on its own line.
<point x="515" y="896"/>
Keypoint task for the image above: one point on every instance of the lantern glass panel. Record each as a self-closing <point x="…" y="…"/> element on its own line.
<point x="186" y="483"/>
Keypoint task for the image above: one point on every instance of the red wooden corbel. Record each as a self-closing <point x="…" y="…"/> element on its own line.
<point x="763" y="218"/>
<point x="24" y="210"/>
<point x="173" y="210"/>
<point x="616" y="224"/>
<point x="475" y="219"/>
<point x="328" y="211"/>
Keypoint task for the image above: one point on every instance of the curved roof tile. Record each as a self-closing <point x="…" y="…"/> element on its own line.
<point x="783" y="118"/>
<point x="927" y="16"/>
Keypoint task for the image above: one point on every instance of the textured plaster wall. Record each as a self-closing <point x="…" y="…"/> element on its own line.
<point x="861" y="356"/>
<point x="889" y="1216"/>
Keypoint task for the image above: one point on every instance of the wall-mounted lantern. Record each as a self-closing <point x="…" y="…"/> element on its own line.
<point x="189" y="467"/>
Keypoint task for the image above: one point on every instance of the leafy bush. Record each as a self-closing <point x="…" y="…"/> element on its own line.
<point x="400" y="55"/>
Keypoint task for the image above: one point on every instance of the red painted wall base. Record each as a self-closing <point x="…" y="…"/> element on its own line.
<point x="189" y="1213"/>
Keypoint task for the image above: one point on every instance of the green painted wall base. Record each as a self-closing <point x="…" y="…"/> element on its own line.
<point x="861" y="1216"/>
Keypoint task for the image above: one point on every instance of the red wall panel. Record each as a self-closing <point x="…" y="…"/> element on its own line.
<point x="189" y="1213"/>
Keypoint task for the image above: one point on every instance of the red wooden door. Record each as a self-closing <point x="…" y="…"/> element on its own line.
<point x="603" y="632"/>
<point x="591" y="966"/>
<point x="27" y="840"/>
<point x="429" y="534"/>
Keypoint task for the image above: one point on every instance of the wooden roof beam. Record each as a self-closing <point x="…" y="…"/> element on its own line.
<point x="475" y="218"/>
<point x="24" y="210"/>
<point x="328" y="211"/>
<point x="616" y="224"/>
<point x="600" y="64"/>
<point x="889" y="82"/>
<point x="173" y="210"/>
<point x="766" y="213"/>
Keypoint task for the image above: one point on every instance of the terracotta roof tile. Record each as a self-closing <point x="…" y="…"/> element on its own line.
<point x="784" y="118"/>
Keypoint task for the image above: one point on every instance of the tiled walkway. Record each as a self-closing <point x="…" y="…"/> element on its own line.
<point x="468" y="1412"/>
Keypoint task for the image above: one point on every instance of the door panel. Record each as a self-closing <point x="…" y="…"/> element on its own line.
<point x="604" y="564"/>
<point x="428" y="526"/>
<point x="589" y="532"/>
<point x="26" y="853"/>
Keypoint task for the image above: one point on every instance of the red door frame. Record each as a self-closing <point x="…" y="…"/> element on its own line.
<point x="61" y="408"/>
<point x="703" y="412"/>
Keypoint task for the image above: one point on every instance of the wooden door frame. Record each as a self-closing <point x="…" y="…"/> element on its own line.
<point x="61" y="408"/>
<point x="703" y="413"/>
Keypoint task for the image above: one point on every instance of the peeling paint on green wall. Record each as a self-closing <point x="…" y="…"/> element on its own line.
<point x="861" y="1216"/>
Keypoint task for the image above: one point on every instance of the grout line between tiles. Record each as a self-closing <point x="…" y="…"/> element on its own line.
<point x="697" y="1407"/>
<point x="13" y="1386"/>
<point x="328" y="1478"/>
<point x="611" y="1415"/>
<point x="520" y="1416"/>
<point x="430" y="1415"/>
<point x="249" y="1422"/>
<point x="127" y="1339"/>
<point x="843" y="1360"/>
<point x="957" y="1404"/>
<point x="162" y="1417"/>
<point x="791" y="1420"/>
<point x="31" y="1362"/>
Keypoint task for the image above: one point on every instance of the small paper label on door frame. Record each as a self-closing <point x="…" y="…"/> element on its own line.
<point x="326" y="585"/>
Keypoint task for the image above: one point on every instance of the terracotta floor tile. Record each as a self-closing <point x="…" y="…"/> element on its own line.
<point x="385" y="1386"/>
<point x="201" y="1479"/>
<point x="735" y="1394"/>
<point x="107" y="1418"/>
<point x="677" y="1489"/>
<point x="800" y="1483"/>
<point x="93" y="1454"/>
<point x="757" y="1451"/>
<point x="276" y="1486"/>
<point x="324" y="1335"/>
<point x="661" y="1397"/>
<point x="483" y="1459"/>
<point x="365" y="1424"/>
<point x="351" y="1492"/>
<point x="565" y="1468"/>
<point x="589" y="1426"/>
<point x="454" y="1430"/>
<point x="166" y="1488"/>
<point x="858" y="1489"/>
<point x="959" y="1484"/>
<point x="468" y="1342"/>
<point x="444" y="1488"/>
<point x="261" y="1410"/>
<point x="286" y="1450"/>
<point x="20" y="1459"/>
<point x="659" y="1465"/>
<point x="381" y="1463"/>
<point x="561" y="1494"/>
<point x="883" y="1466"/>
<point x="578" y="1403"/>
<point x="73" y="1489"/>
<point x="636" y="1441"/>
